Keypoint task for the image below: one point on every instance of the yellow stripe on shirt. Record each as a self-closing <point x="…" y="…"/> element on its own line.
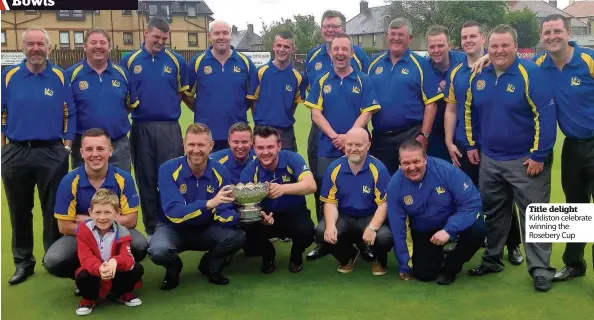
<point x="532" y="106"/>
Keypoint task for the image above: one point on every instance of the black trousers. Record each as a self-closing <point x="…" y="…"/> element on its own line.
<point x="153" y="143"/>
<point x="294" y="224"/>
<point x="43" y="164"/>
<point x="428" y="259"/>
<point x="350" y="231"/>
<point x="123" y="282"/>
<point x="312" y="159"/>
<point x="384" y="145"/>
<point x="577" y="179"/>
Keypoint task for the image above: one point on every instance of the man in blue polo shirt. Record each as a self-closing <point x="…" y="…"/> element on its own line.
<point x="278" y="90"/>
<point x="159" y="77"/>
<point x="219" y="80"/>
<point x="353" y="192"/>
<point x="39" y="120"/>
<point x="285" y="209"/>
<point x="239" y="153"/>
<point x="516" y="148"/>
<point x="440" y="203"/>
<point x="73" y="201"/>
<point x="198" y="211"/>
<point x="407" y="90"/>
<point x="103" y="97"/>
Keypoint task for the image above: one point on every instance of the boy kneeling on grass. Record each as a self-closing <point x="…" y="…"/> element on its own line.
<point x="107" y="264"/>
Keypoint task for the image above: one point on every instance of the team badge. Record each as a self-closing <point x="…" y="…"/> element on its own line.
<point x="480" y="85"/>
<point x="379" y="70"/>
<point x="236" y="69"/>
<point x="575" y="81"/>
<point x="166" y="69"/>
<point x="83" y="85"/>
<point x="289" y="88"/>
<point x="327" y="88"/>
<point x="48" y="92"/>
<point x="366" y="189"/>
<point x="510" y="88"/>
<point x="115" y="83"/>
<point x="183" y="188"/>
<point x="408" y="200"/>
<point x="286" y="179"/>
<point x="207" y="70"/>
<point x="404" y="71"/>
<point x="356" y="89"/>
<point x="137" y="69"/>
<point x="440" y="190"/>
<point x="209" y="189"/>
<point x="318" y="66"/>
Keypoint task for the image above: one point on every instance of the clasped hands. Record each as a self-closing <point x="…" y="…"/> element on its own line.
<point x="107" y="269"/>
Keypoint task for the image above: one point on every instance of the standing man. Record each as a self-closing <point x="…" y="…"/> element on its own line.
<point x="220" y="79"/>
<point x="473" y="42"/>
<point x="239" y="153"/>
<point x="353" y="192"/>
<point x="278" y="90"/>
<point x="285" y="209"/>
<point x="104" y="96"/>
<point x="570" y="69"/>
<point x="198" y="212"/>
<point x="39" y="120"/>
<point x="516" y="148"/>
<point x="159" y="77"/>
<point x="317" y="62"/>
<point x="407" y="90"/>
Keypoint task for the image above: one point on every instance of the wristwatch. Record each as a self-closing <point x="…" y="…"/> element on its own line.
<point x="372" y="228"/>
<point x="426" y="135"/>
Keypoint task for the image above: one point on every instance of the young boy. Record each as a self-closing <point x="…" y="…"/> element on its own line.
<point x="107" y="265"/>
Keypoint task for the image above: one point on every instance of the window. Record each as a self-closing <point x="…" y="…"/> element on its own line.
<point x="126" y="12"/>
<point x="3" y="37"/>
<point x="79" y="38"/>
<point x="128" y="38"/>
<point x="164" y="11"/>
<point x="192" y="39"/>
<point x="64" y="39"/>
<point x="191" y="10"/>
<point x="153" y="9"/>
<point x="73" y="15"/>
<point x="161" y="10"/>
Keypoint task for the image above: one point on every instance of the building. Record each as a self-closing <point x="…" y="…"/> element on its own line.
<point x="542" y="9"/>
<point x="582" y="10"/>
<point x="188" y="20"/>
<point x="246" y="40"/>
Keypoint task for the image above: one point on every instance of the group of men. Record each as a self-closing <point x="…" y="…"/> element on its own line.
<point x="494" y="131"/>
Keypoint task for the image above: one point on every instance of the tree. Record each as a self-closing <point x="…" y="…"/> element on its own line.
<point x="526" y="24"/>
<point x="305" y="28"/>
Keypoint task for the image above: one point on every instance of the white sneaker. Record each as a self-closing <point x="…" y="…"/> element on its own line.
<point x="130" y="300"/>
<point x="85" y="307"/>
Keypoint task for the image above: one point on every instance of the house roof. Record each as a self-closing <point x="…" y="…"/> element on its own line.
<point x="372" y="20"/>
<point x="543" y="9"/>
<point x="581" y="9"/>
<point x="244" y="40"/>
<point x="177" y="6"/>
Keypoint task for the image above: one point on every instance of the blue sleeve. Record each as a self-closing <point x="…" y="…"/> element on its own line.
<point x="192" y="76"/>
<point x="449" y="89"/>
<point x="129" y="201"/>
<point x="4" y="98"/>
<point x="64" y="196"/>
<point x="370" y="102"/>
<point x="173" y="203"/>
<point x="69" y="112"/>
<point x="252" y="76"/>
<point x="304" y="85"/>
<point x="397" y="221"/>
<point x="314" y="98"/>
<point x="469" y="117"/>
<point x="132" y="100"/>
<point x="363" y="58"/>
<point x="124" y="61"/>
<point x="467" y="199"/>
<point x="545" y="120"/>
<point x="329" y="189"/>
<point x="382" y="184"/>
<point x="184" y="80"/>
<point x="253" y="92"/>
<point x="300" y="168"/>
<point x="430" y="84"/>
<point x="224" y="213"/>
<point x="247" y="174"/>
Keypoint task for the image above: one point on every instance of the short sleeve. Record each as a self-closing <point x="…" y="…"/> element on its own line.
<point x="65" y="206"/>
<point x="184" y="80"/>
<point x="315" y="99"/>
<point x="192" y="76"/>
<point x="370" y="102"/>
<point x="329" y="188"/>
<point x="430" y="84"/>
<point x="381" y="185"/>
<point x="298" y="165"/>
<point x="129" y="200"/>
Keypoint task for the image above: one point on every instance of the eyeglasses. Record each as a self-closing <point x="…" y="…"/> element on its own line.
<point x="332" y="26"/>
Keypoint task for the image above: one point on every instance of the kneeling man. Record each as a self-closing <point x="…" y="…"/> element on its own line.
<point x="440" y="202"/>
<point x="353" y="193"/>
<point x="197" y="211"/>
<point x="285" y="212"/>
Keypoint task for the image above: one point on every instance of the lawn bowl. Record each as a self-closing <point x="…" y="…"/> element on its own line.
<point x="248" y="196"/>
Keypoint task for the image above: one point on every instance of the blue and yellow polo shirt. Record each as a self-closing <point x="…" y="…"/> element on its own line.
<point x="37" y="107"/>
<point x="516" y="112"/>
<point x="355" y="195"/>
<point x="403" y="90"/>
<point x="573" y="89"/>
<point x="226" y="158"/>
<point x="158" y="81"/>
<point x="102" y="101"/>
<point x="75" y="192"/>
<point x="291" y="168"/>
<point x="184" y="196"/>
<point x="341" y="101"/>
<point x="221" y="91"/>
<point x="276" y="93"/>
<point x="318" y="62"/>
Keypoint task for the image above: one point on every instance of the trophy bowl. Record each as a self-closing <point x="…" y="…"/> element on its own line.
<point x="248" y="196"/>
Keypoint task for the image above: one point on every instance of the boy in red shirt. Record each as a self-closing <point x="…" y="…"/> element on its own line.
<point x="107" y="265"/>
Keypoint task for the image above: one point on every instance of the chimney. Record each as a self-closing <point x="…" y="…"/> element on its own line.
<point x="233" y="29"/>
<point x="250" y="28"/>
<point x="363" y="6"/>
<point x="553" y="3"/>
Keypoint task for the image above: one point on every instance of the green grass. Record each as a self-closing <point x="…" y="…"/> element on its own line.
<point x="317" y="292"/>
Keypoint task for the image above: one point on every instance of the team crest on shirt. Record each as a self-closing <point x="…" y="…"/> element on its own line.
<point x="48" y="92"/>
<point x="575" y="81"/>
<point x="408" y="200"/>
<point x="83" y="85"/>
<point x="480" y="85"/>
<point x="366" y="189"/>
<point x="327" y="88"/>
<point x="379" y="70"/>
<point x="166" y="69"/>
<point x="510" y="88"/>
<point x="404" y="71"/>
<point x="115" y="83"/>
<point x="236" y="69"/>
<point x="137" y="69"/>
<point x="318" y="66"/>
<point x="286" y="179"/>
<point x="356" y="89"/>
<point x="289" y="88"/>
<point x="207" y="70"/>
<point x="440" y="190"/>
<point x="183" y="189"/>
<point x="209" y="189"/>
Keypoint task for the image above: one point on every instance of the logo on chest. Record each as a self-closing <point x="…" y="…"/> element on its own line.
<point x="236" y="69"/>
<point x="404" y="71"/>
<point x="286" y="178"/>
<point x="366" y="189"/>
<point x="48" y="92"/>
<point x="210" y="189"/>
<point x="327" y="89"/>
<point x="440" y="190"/>
<point x="137" y="69"/>
<point x="207" y="70"/>
<point x="83" y="85"/>
<point x="167" y="69"/>
<point x="379" y="70"/>
<point x="183" y="189"/>
<point x="318" y="66"/>
<point x="408" y="200"/>
<point x="575" y="81"/>
<point x="480" y="85"/>
<point x="289" y="88"/>
<point x="356" y="90"/>
<point x="115" y="83"/>
<point x="510" y="88"/>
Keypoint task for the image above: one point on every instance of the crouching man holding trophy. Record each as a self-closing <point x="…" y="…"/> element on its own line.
<point x="282" y="180"/>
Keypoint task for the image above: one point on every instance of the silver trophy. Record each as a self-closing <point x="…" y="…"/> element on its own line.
<point x="248" y="196"/>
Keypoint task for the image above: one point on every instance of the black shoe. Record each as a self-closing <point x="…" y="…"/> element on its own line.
<point x="515" y="256"/>
<point x="317" y="253"/>
<point x="542" y="283"/>
<point x="445" y="280"/>
<point x="449" y="248"/>
<point x="218" y="279"/>
<point x="267" y="266"/>
<point x="295" y="266"/>
<point x="171" y="281"/>
<point x="481" y="270"/>
<point x="569" y="273"/>
<point x="20" y="275"/>
<point x="366" y="252"/>
<point x="77" y="292"/>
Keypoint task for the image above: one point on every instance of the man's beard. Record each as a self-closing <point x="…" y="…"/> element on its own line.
<point x="355" y="158"/>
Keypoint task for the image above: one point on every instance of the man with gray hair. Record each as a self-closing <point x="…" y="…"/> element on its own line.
<point x="39" y="120"/>
<point x="407" y="90"/>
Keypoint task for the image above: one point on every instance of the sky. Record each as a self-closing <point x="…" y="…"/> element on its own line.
<point x="242" y="12"/>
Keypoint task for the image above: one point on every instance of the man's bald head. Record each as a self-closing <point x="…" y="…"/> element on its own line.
<point x="356" y="145"/>
<point x="217" y="24"/>
<point x="358" y="133"/>
<point x="220" y="36"/>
